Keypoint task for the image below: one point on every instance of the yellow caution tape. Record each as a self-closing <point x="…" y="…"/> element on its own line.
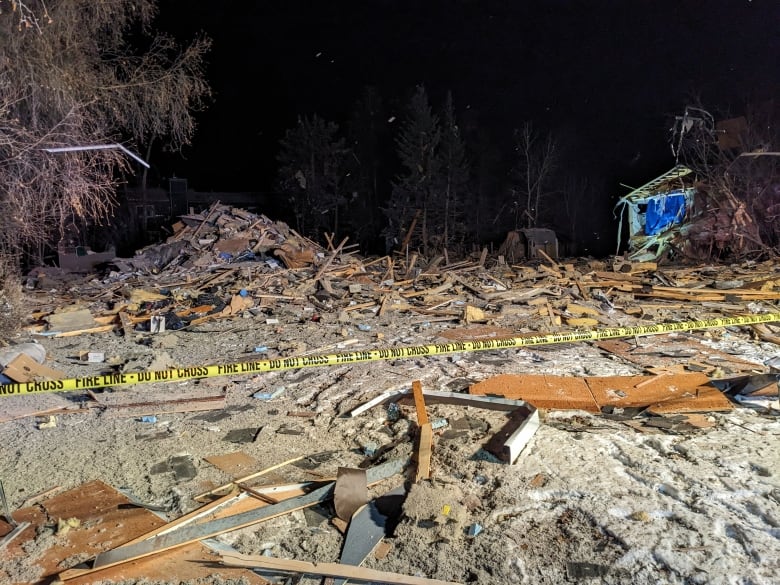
<point x="370" y="355"/>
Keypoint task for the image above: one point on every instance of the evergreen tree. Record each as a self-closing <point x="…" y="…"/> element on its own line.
<point x="366" y="176"/>
<point x="311" y="174"/>
<point x="415" y="190"/>
<point x="453" y="178"/>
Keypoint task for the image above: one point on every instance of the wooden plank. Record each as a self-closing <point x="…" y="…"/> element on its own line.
<point x="228" y="486"/>
<point x="428" y="292"/>
<point x="435" y="397"/>
<point x="101" y="329"/>
<point x="326" y="570"/>
<point x="512" y="438"/>
<point x="419" y="403"/>
<point x="544" y="255"/>
<point x="424" y="447"/>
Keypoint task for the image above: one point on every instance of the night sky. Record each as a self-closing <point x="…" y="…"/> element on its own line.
<point x="608" y="77"/>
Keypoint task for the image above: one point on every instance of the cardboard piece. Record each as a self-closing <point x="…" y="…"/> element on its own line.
<point x="351" y="492"/>
<point x="23" y="369"/>
<point x="234" y="464"/>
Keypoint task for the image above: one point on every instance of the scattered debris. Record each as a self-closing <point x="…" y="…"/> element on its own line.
<point x="247" y="289"/>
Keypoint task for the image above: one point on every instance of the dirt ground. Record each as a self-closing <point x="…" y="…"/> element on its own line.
<point x="590" y="499"/>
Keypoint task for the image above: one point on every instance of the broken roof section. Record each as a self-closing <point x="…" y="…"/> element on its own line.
<point x="653" y="212"/>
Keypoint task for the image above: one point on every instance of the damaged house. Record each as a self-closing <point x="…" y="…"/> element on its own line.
<point x="729" y="211"/>
<point x="655" y="212"/>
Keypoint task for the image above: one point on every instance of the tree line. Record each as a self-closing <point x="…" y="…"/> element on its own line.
<point x="419" y="184"/>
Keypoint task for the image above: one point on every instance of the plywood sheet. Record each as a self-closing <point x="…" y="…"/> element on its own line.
<point x="546" y="392"/>
<point x="662" y="394"/>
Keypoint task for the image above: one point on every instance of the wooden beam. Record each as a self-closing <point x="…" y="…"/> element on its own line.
<point x="330" y="259"/>
<point x="229" y="486"/>
<point x="101" y="329"/>
<point x="326" y="570"/>
<point x="424" y="446"/>
<point x="419" y="403"/>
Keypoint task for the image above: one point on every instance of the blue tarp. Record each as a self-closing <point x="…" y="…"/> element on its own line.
<point x="664" y="211"/>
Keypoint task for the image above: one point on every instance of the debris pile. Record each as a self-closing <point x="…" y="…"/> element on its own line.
<point x="413" y="469"/>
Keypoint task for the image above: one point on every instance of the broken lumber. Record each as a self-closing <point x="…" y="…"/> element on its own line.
<point x="182" y="536"/>
<point x="425" y="441"/>
<point x="326" y="570"/>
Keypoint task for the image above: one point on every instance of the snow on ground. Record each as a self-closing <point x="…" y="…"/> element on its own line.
<point x="591" y="499"/>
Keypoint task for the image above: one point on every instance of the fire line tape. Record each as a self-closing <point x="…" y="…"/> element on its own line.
<point x="370" y="355"/>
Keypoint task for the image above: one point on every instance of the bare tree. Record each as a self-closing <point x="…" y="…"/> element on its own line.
<point x="537" y="157"/>
<point x="70" y="76"/>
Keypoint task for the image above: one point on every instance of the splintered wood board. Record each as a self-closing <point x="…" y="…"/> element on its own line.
<point x="106" y="521"/>
<point x="24" y="405"/>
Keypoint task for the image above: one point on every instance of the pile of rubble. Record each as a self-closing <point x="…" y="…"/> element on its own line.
<point x="227" y="265"/>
